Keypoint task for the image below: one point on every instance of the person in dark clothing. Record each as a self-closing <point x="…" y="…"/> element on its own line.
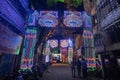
<point x="79" y="66"/>
<point x="84" y="68"/>
<point x="73" y="64"/>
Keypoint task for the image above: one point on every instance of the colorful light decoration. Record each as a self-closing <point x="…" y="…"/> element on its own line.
<point x="28" y="50"/>
<point x="31" y="20"/>
<point x="53" y="43"/>
<point x="64" y="43"/>
<point x="87" y="19"/>
<point x="76" y="19"/>
<point x="18" y="45"/>
<point x="70" y="43"/>
<point x="87" y="34"/>
<point x="48" y="19"/>
<point x="72" y="19"/>
<point x="70" y="54"/>
<point x="89" y="49"/>
<point x="48" y="44"/>
<point x="47" y="48"/>
<point x="63" y="50"/>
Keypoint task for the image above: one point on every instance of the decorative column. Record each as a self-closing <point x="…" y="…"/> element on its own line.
<point x="29" y="48"/>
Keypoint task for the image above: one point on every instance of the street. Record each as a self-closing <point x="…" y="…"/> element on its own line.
<point x="61" y="72"/>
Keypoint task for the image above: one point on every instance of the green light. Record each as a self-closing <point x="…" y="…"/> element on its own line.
<point x="91" y="68"/>
<point x="19" y="46"/>
<point x="18" y="50"/>
<point x="59" y="1"/>
<point x="75" y="3"/>
<point x="53" y="2"/>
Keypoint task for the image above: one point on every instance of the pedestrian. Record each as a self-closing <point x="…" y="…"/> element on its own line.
<point x="73" y="64"/>
<point x="79" y="66"/>
<point x="98" y="68"/>
<point x="84" y="68"/>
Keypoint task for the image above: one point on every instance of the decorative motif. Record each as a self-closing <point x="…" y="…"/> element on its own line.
<point x="64" y="43"/>
<point x="53" y="43"/>
<point x="72" y="19"/>
<point x="28" y="50"/>
<point x="48" y="19"/>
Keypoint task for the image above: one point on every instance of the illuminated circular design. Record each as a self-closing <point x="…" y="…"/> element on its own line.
<point x="48" y="20"/>
<point x="72" y="21"/>
<point x="64" y="43"/>
<point x="53" y="43"/>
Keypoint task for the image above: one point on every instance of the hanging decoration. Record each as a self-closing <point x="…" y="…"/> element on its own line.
<point x="72" y="19"/>
<point x="48" y="19"/>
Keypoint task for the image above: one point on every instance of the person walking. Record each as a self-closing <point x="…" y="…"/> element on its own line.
<point x="79" y="67"/>
<point x="73" y="64"/>
<point x="84" y="68"/>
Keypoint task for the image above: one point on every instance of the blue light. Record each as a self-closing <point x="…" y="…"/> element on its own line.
<point x="70" y="43"/>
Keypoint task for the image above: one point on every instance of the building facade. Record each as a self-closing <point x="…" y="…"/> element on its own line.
<point x="106" y="22"/>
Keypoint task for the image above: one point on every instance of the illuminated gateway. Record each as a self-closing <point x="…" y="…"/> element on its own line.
<point x="62" y="49"/>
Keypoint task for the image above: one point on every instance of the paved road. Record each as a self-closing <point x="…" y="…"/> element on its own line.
<point x="59" y="72"/>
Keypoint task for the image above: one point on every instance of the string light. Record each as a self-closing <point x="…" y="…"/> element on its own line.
<point x="28" y="50"/>
<point x="53" y="43"/>
<point x="48" y="19"/>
